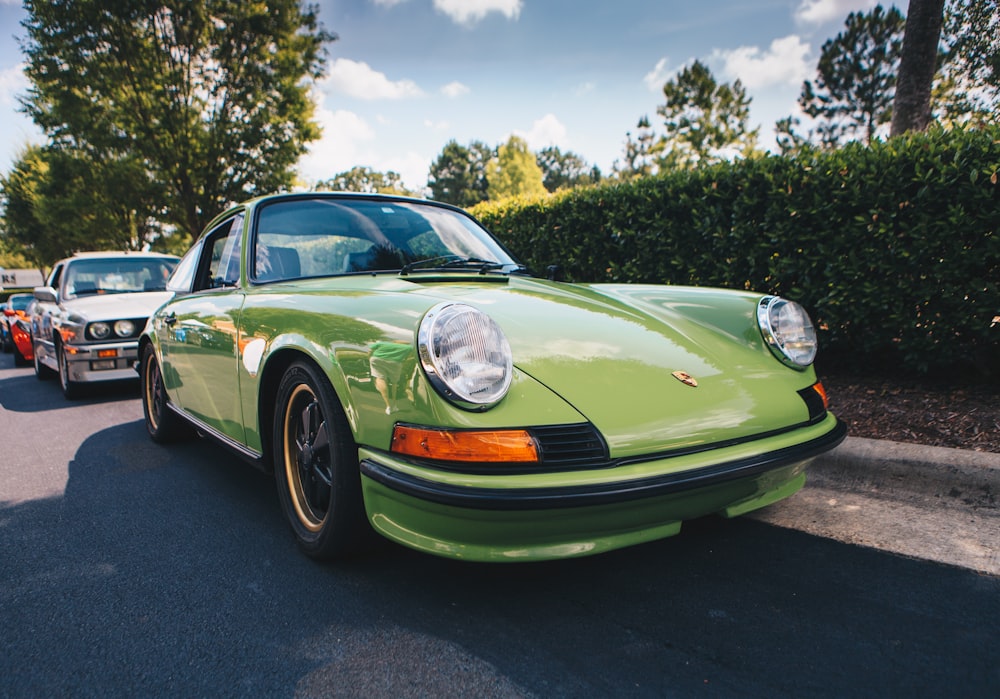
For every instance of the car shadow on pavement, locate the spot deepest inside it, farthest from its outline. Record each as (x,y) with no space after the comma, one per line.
(24,393)
(171,571)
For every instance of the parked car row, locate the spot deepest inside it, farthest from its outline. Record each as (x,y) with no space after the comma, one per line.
(86,321)
(400,373)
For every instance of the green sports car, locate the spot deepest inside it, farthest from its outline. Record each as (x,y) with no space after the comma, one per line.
(401,373)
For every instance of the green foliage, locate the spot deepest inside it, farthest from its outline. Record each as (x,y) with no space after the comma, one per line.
(514,172)
(705,121)
(458,176)
(364,179)
(210,96)
(893,247)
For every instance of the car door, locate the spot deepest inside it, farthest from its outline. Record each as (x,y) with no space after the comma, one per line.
(199,347)
(41,317)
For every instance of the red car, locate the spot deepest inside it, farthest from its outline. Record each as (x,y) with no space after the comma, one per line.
(15,328)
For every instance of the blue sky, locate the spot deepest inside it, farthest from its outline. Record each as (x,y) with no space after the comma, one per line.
(407,76)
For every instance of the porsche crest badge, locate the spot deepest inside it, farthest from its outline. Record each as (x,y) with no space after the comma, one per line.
(686,379)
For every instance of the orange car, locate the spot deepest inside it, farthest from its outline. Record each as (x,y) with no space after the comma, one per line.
(15,328)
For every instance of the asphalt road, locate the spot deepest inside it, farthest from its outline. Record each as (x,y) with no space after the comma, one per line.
(129,569)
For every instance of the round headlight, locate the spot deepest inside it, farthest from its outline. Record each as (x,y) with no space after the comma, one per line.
(99,331)
(465,355)
(787,330)
(124,328)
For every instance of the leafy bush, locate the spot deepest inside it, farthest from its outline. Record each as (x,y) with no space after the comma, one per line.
(893,247)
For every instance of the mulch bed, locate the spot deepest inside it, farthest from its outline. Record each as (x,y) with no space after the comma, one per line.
(935,411)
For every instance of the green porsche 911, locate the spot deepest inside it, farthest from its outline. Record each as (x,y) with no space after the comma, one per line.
(400,372)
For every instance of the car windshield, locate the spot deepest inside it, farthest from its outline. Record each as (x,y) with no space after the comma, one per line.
(116,275)
(327,236)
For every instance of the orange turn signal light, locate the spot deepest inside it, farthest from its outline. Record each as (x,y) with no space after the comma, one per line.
(818,387)
(107,353)
(478,446)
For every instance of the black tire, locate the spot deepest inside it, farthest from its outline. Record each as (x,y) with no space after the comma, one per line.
(162,423)
(6,341)
(42,372)
(71,389)
(316,466)
(19,359)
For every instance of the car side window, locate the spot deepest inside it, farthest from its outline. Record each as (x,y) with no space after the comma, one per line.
(55,277)
(182,280)
(220,265)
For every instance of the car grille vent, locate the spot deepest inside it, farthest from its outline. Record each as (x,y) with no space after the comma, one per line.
(571,445)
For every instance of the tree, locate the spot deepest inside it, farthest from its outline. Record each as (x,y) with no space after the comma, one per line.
(705,121)
(640,153)
(514,172)
(969,88)
(21,228)
(60,201)
(853,93)
(458,176)
(564,170)
(210,96)
(911,108)
(364,179)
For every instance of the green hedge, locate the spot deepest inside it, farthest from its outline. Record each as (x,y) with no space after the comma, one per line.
(893,248)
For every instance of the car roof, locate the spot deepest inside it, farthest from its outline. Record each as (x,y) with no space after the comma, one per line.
(117,255)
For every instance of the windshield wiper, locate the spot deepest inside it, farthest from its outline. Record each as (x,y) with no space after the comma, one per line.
(450,262)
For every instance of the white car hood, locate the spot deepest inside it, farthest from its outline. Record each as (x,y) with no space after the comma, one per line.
(114,306)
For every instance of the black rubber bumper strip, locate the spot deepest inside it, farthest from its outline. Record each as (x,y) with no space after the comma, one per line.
(602,493)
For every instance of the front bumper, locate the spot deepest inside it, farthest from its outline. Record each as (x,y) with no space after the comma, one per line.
(112,361)
(555,515)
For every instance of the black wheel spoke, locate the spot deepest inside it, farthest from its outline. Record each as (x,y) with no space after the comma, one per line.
(321,441)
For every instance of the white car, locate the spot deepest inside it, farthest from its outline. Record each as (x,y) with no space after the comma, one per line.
(90,313)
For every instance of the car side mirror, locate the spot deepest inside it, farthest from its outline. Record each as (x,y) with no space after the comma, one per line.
(45,294)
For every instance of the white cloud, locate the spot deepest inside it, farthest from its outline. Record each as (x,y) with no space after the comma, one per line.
(547,131)
(455,89)
(471,11)
(584,89)
(819,11)
(12,82)
(362,81)
(342,146)
(349,141)
(785,63)
(655,78)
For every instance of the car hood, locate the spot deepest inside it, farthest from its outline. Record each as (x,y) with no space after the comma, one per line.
(618,354)
(113,306)
(615,353)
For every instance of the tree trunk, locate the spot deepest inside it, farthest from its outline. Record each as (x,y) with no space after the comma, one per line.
(911,108)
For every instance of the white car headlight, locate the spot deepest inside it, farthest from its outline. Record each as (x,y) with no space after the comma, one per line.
(124,328)
(465,355)
(99,331)
(787,330)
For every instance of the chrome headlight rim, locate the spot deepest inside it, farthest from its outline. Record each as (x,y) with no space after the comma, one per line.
(796,349)
(449,378)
